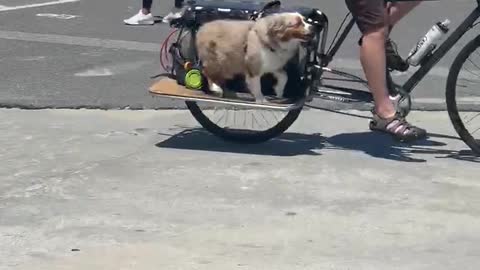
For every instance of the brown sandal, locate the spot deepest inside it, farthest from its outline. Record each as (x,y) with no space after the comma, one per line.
(398,127)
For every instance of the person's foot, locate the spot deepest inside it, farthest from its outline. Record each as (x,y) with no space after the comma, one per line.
(394,60)
(140,19)
(397,127)
(174,14)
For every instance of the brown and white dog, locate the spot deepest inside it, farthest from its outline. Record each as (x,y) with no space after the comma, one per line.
(228,48)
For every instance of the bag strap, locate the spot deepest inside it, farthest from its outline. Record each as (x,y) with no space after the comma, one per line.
(270,5)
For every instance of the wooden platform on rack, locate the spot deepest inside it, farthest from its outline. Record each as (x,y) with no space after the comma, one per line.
(169,88)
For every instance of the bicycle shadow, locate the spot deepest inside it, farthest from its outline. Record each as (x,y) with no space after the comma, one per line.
(383,146)
(294,144)
(288,144)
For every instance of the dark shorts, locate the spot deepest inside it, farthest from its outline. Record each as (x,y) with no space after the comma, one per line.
(368,14)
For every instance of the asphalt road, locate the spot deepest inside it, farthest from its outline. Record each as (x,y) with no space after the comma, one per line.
(91,59)
(151,190)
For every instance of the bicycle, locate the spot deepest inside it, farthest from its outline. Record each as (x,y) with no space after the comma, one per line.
(306,74)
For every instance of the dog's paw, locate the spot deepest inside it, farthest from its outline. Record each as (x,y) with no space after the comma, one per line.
(277,100)
(261,100)
(216,90)
(279,87)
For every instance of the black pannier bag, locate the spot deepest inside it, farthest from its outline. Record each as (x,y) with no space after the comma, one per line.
(203,11)
(195,15)
(200,12)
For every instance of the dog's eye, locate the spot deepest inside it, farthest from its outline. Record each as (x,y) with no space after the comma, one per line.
(296,23)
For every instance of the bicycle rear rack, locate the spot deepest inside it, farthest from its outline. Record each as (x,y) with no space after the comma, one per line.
(167,87)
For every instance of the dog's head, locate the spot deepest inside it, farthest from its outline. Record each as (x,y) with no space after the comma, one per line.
(289,26)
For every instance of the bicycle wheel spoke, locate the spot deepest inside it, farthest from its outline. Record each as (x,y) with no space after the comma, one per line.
(475,116)
(475,131)
(263,116)
(234,116)
(256,121)
(251,114)
(220,119)
(466,81)
(226,117)
(469,60)
(471,72)
(275,116)
(478,54)
(245,119)
(215,111)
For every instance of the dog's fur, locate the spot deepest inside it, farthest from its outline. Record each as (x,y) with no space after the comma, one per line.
(228,48)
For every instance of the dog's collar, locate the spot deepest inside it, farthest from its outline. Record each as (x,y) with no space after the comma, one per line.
(265,44)
(270,48)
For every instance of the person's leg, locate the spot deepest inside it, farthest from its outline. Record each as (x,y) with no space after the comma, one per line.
(374,66)
(371,16)
(146,6)
(396,11)
(372,19)
(179,3)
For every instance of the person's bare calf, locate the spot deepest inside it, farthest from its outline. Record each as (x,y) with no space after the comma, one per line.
(385,117)
(373,64)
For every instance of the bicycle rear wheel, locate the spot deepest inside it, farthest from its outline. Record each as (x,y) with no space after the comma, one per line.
(462,94)
(242,125)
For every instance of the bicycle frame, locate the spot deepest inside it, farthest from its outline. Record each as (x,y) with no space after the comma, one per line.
(315,61)
(428,62)
(444,48)
(315,66)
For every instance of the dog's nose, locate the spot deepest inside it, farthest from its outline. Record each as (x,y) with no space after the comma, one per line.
(308,28)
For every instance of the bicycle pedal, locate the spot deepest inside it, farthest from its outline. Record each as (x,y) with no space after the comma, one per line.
(400,67)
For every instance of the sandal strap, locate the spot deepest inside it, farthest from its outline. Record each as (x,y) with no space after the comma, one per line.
(400,126)
(397,126)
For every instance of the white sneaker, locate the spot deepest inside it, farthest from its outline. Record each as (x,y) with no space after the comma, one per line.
(140,19)
(174,14)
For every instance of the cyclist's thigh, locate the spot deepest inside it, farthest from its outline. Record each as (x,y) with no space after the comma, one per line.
(368,14)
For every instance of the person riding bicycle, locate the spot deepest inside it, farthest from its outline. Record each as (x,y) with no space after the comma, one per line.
(375,20)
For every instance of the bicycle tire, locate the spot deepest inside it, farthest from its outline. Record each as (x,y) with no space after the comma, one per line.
(451,91)
(243,136)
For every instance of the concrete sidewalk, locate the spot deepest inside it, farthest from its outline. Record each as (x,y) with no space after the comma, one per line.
(84,189)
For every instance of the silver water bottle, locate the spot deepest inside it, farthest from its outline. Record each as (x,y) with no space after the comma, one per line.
(428,43)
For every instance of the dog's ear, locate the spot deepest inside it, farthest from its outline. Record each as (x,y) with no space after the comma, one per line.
(276,27)
(293,28)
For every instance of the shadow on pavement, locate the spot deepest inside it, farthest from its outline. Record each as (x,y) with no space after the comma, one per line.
(463,155)
(292,144)
(288,144)
(383,146)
